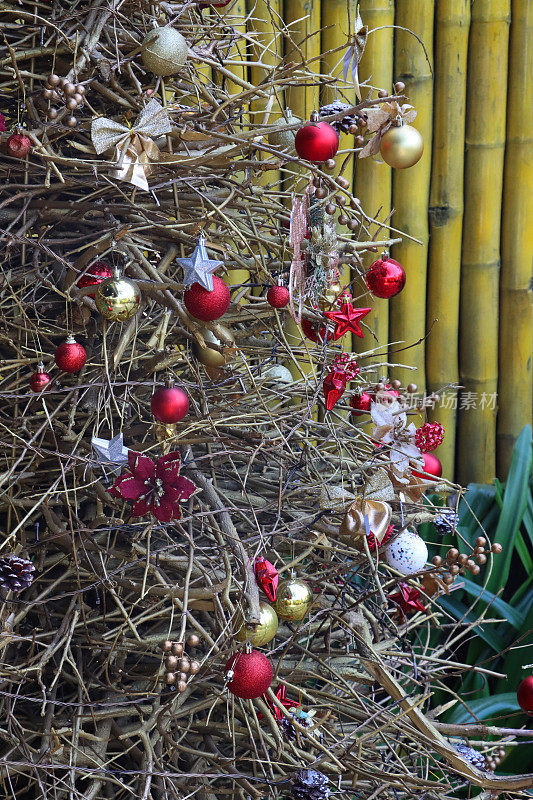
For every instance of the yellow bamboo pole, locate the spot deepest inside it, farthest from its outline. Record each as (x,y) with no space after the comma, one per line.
(337,16)
(373,178)
(446,211)
(485,144)
(407,316)
(302,19)
(516,309)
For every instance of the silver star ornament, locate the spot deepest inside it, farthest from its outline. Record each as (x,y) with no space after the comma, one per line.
(111,453)
(199,267)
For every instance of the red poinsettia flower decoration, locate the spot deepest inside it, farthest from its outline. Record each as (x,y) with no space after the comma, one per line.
(155,488)
(407,599)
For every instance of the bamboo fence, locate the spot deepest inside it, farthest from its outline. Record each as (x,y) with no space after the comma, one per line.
(461,321)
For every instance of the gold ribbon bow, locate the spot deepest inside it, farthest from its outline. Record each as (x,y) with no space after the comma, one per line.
(133,147)
(379,518)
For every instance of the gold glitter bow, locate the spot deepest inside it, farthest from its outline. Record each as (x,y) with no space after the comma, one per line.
(133,147)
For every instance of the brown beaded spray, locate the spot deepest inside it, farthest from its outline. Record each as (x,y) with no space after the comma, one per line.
(60,90)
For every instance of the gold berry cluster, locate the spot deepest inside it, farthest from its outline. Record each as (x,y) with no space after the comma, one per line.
(60,90)
(457,563)
(494,759)
(179,667)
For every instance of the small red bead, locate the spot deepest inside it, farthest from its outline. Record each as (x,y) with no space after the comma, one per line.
(278,296)
(429,436)
(206,305)
(70,356)
(18,145)
(169,404)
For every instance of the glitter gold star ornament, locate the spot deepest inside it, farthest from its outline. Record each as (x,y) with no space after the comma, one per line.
(199,267)
(346,319)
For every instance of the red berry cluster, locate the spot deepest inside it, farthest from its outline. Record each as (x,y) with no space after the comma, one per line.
(429,436)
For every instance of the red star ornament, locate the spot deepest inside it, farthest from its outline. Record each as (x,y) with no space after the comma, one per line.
(346,320)
(281,694)
(407,599)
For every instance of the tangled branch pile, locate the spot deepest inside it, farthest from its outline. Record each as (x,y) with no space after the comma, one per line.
(86,711)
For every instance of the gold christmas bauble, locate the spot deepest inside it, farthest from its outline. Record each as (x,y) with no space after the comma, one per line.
(330,295)
(265,631)
(293,599)
(210,356)
(117,298)
(164,51)
(401,146)
(284,139)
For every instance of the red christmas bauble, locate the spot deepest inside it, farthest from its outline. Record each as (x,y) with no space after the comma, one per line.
(252,674)
(525,695)
(70,356)
(432,465)
(96,273)
(385,277)
(207,305)
(316,142)
(18,145)
(169,404)
(360,403)
(278,296)
(39,380)
(315,332)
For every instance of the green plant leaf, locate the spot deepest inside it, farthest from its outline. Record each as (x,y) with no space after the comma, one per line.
(510,614)
(484,708)
(486,632)
(514,506)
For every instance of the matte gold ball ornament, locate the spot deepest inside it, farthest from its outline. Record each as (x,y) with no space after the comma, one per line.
(117,298)
(401,146)
(293,599)
(164,51)
(284,139)
(265,631)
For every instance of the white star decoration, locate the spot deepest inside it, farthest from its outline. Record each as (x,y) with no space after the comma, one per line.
(110,452)
(199,267)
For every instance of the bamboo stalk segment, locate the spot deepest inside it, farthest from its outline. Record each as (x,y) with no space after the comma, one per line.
(302,21)
(446,211)
(515,388)
(407,316)
(373,179)
(485,144)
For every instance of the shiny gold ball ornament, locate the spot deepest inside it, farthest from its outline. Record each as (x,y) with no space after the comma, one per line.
(164,51)
(265,631)
(117,298)
(293,599)
(210,356)
(401,146)
(284,139)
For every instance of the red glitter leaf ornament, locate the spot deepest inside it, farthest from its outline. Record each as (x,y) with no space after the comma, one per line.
(267,577)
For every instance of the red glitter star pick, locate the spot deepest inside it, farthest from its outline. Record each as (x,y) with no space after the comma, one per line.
(347,319)
(407,599)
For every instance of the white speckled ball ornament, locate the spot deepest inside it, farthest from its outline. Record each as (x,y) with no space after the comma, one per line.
(277,373)
(407,553)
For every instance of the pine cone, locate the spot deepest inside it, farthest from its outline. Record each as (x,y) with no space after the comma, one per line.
(446,521)
(340,125)
(15,573)
(309,784)
(471,755)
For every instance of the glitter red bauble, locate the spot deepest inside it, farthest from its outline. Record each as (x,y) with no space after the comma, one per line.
(315,332)
(95,274)
(39,381)
(18,145)
(316,142)
(429,436)
(169,404)
(360,403)
(206,305)
(70,356)
(385,277)
(525,695)
(278,296)
(252,674)
(432,465)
